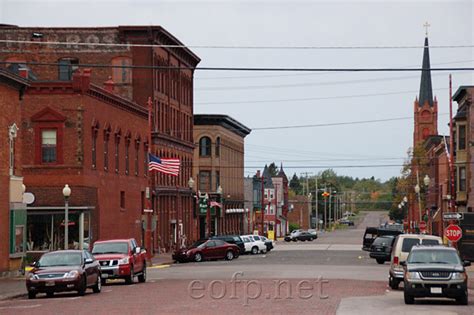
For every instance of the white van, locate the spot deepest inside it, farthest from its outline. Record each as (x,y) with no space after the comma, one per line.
(400,250)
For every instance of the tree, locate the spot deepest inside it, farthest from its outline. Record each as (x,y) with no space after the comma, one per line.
(295,184)
(273,169)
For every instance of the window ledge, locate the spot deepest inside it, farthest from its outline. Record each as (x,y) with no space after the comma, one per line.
(54,166)
(17,255)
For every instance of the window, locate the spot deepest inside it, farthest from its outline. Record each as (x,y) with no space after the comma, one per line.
(408,243)
(117,162)
(48,146)
(462,178)
(462,137)
(145,159)
(218,179)
(205,146)
(205,180)
(67,66)
(218,146)
(127,156)
(106,150)
(137,150)
(122,199)
(94,148)
(120,71)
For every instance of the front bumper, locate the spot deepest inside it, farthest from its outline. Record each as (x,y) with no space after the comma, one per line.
(449,289)
(397,274)
(115,272)
(53,285)
(181,257)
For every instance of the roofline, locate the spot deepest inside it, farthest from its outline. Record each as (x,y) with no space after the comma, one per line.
(14,79)
(461,91)
(224,121)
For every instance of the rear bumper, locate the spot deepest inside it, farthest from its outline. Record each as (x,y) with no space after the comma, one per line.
(448,289)
(380,255)
(397,274)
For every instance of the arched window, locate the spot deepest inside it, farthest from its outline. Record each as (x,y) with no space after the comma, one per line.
(205,146)
(218,146)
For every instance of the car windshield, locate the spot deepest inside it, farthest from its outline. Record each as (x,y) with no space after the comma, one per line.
(198,243)
(60,259)
(110,248)
(430,256)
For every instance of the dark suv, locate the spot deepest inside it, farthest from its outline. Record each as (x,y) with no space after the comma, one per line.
(232,239)
(435,271)
(381,248)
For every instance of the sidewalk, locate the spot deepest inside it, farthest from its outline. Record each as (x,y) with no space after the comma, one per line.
(162,259)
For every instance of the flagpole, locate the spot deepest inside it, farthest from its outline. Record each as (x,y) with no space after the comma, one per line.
(148,244)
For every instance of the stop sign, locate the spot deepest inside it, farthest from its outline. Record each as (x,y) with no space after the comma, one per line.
(422,225)
(453,233)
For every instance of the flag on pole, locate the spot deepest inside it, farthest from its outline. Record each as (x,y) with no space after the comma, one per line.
(167,166)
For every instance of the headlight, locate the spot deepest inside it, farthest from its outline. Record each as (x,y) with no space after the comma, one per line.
(33,276)
(412,275)
(72,274)
(123,261)
(458,276)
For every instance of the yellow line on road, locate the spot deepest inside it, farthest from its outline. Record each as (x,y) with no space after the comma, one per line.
(159,266)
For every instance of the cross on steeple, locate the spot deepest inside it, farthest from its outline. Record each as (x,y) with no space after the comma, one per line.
(426,25)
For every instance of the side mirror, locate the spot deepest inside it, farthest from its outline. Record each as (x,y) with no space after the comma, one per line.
(88,261)
(34,264)
(466,263)
(137,250)
(403,263)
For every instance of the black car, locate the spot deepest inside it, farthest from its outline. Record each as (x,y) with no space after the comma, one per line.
(381,248)
(268,243)
(371,233)
(306,236)
(435,271)
(232,239)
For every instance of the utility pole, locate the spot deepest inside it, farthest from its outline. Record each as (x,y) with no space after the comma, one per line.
(330,207)
(316,198)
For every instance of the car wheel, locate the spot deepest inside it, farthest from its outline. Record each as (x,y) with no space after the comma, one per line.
(254,250)
(31,294)
(98,285)
(463,299)
(82,288)
(380,261)
(311,239)
(129,279)
(393,283)
(142,276)
(408,298)
(198,257)
(50,294)
(229,255)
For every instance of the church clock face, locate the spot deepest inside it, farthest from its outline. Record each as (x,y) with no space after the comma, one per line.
(425,115)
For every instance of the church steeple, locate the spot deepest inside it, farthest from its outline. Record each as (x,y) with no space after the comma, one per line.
(426,90)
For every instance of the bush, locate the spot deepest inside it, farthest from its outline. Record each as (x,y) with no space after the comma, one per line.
(293,226)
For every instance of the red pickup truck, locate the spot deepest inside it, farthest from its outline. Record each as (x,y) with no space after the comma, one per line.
(120,259)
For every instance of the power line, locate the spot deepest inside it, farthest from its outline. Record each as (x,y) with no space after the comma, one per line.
(306,47)
(257,69)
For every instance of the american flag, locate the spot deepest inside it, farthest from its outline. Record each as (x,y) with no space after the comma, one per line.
(167,166)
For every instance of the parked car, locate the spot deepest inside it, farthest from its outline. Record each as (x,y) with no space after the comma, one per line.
(120,259)
(313,231)
(381,248)
(253,244)
(305,236)
(401,248)
(346,221)
(232,239)
(435,271)
(207,250)
(268,243)
(64,270)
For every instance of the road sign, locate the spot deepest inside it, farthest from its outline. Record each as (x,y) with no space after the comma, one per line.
(325,194)
(422,226)
(453,233)
(453,216)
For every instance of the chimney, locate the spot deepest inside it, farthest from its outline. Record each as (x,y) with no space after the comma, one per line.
(81,80)
(109,85)
(23,72)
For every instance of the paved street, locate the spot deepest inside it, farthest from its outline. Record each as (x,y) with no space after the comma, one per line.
(327,276)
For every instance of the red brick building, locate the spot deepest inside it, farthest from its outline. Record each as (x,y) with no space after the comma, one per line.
(89,129)
(300,212)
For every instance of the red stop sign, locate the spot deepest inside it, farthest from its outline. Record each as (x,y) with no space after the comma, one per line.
(422,225)
(453,233)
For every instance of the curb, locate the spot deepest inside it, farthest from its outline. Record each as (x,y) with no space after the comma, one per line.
(12,296)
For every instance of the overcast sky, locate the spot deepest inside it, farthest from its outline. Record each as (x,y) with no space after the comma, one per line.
(259,99)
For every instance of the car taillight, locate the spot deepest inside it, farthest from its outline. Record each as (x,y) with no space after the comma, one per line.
(395,260)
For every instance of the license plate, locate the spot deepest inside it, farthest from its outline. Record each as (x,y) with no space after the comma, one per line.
(436,290)
(49,283)
(104,276)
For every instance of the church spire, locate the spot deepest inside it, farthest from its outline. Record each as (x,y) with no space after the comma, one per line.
(426,90)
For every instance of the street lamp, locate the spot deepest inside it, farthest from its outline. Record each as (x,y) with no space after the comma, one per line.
(66,194)
(426,180)
(309,208)
(191,183)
